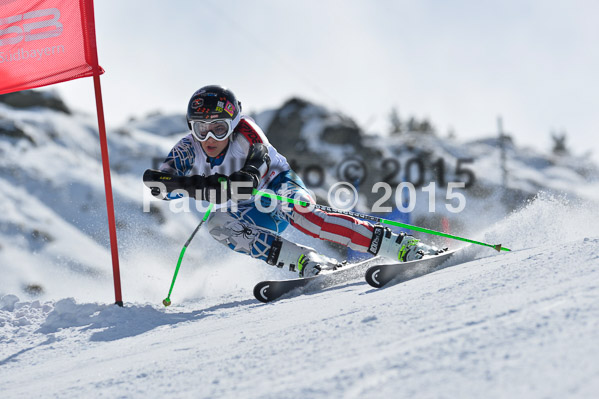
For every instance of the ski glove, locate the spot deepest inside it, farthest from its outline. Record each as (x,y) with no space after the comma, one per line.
(244,181)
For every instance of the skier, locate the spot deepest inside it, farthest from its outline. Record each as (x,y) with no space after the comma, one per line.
(225,156)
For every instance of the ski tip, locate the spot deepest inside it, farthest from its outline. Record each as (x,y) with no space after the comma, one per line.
(372,277)
(261,292)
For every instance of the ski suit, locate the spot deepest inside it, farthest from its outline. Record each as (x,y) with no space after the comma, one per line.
(248,229)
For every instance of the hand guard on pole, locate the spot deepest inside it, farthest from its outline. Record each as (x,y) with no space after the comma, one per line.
(214,188)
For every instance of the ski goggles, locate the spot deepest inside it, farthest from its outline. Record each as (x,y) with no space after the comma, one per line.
(218,129)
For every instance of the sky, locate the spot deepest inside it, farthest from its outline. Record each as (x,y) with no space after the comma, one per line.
(461,64)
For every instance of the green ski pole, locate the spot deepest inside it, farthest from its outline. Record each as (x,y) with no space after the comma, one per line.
(167,300)
(497,247)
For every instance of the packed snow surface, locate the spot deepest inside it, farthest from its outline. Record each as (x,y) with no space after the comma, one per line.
(516,324)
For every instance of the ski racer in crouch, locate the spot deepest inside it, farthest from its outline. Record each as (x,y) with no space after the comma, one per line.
(225,157)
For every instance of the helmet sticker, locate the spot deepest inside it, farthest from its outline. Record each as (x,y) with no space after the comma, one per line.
(229,108)
(197,103)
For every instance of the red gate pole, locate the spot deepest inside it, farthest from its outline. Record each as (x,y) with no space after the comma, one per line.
(93,52)
(108,190)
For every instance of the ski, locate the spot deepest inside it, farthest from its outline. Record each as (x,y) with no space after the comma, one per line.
(267,291)
(380,275)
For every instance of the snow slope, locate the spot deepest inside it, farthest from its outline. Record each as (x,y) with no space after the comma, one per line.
(520,324)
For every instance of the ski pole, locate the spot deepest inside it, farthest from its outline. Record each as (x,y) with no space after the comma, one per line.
(497,247)
(167,300)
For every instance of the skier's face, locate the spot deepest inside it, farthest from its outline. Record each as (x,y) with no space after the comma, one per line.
(214,147)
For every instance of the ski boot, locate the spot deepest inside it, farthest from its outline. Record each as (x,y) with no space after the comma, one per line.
(312,263)
(304,259)
(404,247)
